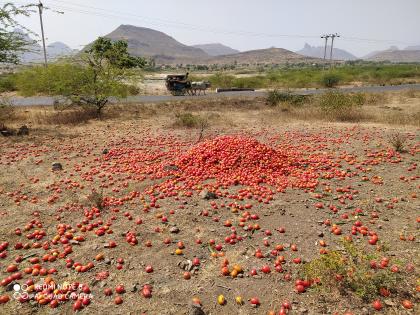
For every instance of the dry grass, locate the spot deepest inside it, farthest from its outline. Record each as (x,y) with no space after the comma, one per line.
(397,109)
(7,111)
(398,141)
(384,108)
(71,117)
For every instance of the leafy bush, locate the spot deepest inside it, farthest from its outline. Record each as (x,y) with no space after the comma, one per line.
(7,84)
(349,270)
(330,80)
(189,120)
(342,107)
(275,97)
(186,120)
(358,99)
(222,80)
(101,73)
(332,101)
(133,90)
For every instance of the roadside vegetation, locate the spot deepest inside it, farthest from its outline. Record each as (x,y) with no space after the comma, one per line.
(317,77)
(393,109)
(102,72)
(12,43)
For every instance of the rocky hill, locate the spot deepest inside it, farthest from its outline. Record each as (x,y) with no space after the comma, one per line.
(146,42)
(35,54)
(263,56)
(396,56)
(217,49)
(318,52)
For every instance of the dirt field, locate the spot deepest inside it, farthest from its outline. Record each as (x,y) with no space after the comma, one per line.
(281,193)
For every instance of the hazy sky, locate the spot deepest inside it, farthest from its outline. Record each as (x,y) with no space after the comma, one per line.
(365,25)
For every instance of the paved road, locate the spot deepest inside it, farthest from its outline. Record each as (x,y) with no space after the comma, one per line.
(29,101)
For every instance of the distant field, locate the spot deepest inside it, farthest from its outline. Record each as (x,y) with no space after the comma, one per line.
(288,77)
(314,77)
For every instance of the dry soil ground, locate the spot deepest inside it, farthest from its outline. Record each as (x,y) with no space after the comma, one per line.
(333,176)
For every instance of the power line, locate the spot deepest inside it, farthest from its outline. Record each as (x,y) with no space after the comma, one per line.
(213,30)
(168,22)
(333,36)
(40,9)
(326,36)
(112,14)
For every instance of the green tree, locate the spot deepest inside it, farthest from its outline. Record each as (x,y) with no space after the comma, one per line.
(103,72)
(12,44)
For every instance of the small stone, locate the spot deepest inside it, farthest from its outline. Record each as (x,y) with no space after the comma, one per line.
(56,166)
(105,151)
(205,194)
(174,230)
(134,287)
(6,132)
(170,168)
(196,309)
(389,302)
(320,234)
(10,286)
(23,131)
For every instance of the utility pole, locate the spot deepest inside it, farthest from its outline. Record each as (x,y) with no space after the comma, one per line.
(40,8)
(333,36)
(326,43)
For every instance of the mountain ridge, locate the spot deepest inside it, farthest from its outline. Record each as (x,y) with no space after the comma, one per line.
(318,52)
(146,42)
(216,49)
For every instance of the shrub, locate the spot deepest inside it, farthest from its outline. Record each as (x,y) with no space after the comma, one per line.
(189,120)
(358,99)
(7,110)
(67,117)
(221,80)
(398,141)
(101,74)
(336,100)
(349,270)
(275,97)
(7,84)
(330,80)
(186,120)
(342,107)
(133,90)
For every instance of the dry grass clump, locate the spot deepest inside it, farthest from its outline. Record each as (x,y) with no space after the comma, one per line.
(65,117)
(411,94)
(349,270)
(277,97)
(398,141)
(7,110)
(385,108)
(342,107)
(190,120)
(331,106)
